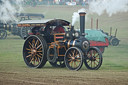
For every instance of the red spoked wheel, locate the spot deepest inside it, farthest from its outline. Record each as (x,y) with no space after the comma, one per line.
(93,59)
(34,51)
(73,58)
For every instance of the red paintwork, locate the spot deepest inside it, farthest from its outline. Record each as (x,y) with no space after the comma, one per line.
(30,33)
(34,34)
(59,37)
(96,43)
(59,29)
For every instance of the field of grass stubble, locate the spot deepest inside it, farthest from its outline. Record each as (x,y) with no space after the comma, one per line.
(114,70)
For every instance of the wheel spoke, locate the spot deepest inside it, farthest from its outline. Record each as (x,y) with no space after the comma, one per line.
(31,60)
(39,51)
(34,61)
(89,55)
(75,64)
(28,49)
(36,43)
(91,52)
(69,59)
(30,52)
(94,64)
(70,55)
(33,41)
(73,53)
(97,58)
(97,61)
(91,63)
(78,60)
(94,52)
(39,46)
(76,52)
(70,63)
(39,56)
(28,55)
(88,61)
(30,44)
(77,55)
(39,59)
(97,55)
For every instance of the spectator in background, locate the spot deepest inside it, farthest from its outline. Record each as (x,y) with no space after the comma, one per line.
(62,2)
(83,3)
(77,2)
(80,2)
(56,2)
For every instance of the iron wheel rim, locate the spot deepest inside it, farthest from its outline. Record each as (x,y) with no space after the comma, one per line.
(93,60)
(115,42)
(73,58)
(32,46)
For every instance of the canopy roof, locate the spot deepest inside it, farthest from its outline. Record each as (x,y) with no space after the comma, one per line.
(43,22)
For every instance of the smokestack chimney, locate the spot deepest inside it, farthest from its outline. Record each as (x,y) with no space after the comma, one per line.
(82,23)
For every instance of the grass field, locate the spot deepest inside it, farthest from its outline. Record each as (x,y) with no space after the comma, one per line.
(114,70)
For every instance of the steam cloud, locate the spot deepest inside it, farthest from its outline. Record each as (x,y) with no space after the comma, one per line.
(75,16)
(100,6)
(7,10)
(109,6)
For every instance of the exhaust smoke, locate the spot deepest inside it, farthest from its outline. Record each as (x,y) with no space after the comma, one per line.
(100,6)
(75,16)
(8,10)
(109,6)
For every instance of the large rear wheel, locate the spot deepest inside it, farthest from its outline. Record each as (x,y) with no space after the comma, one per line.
(34,51)
(93,59)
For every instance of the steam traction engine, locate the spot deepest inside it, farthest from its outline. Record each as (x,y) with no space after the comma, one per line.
(11,26)
(50,41)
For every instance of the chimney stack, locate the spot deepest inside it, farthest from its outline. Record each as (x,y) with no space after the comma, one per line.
(82,23)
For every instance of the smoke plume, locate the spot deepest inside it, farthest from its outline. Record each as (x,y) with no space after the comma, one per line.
(75,16)
(100,6)
(8,10)
(109,6)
